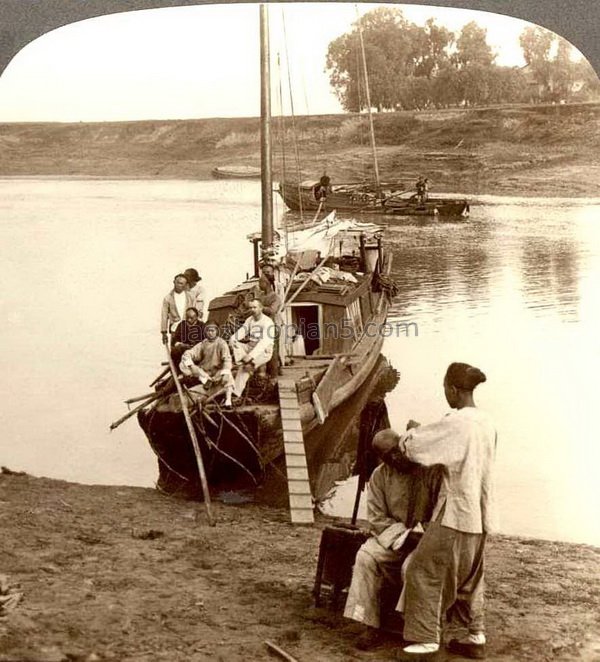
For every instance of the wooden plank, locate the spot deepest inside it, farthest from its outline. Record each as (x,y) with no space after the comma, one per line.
(293,435)
(291,426)
(286,384)
(289,415)
(295,460)
(303,516)
(303,501)
(298,473)
(298,487)
(293,448)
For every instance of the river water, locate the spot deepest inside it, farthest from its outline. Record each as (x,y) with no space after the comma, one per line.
(512,290)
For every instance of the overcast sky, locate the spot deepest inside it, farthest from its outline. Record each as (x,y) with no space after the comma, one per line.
(194,62)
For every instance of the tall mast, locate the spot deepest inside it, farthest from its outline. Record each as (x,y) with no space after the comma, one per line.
(265,132)
(371,129)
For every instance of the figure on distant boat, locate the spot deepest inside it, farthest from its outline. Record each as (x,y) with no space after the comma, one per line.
(174,306)
(323,188)
(422,187)
(252,345)
(196,290)
(189,332)
(210,363)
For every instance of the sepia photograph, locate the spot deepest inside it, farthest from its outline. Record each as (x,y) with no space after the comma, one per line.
(308,368)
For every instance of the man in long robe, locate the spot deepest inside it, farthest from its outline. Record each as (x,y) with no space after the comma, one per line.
(174,305)
(399,498)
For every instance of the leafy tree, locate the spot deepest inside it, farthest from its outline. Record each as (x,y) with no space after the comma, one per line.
(386,53)
(472,47)
(536,44)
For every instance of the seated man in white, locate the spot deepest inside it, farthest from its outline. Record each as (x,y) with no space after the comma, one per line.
(400,497)
(252,345)
(210,362)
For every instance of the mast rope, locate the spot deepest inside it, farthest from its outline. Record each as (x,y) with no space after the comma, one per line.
(295,136)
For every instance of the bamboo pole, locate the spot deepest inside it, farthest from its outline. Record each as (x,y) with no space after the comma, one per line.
(194,438)
(129,414)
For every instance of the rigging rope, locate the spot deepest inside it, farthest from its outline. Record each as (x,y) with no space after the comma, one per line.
(293,117)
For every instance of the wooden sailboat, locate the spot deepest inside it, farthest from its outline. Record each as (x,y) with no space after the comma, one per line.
(333,280)
(366,197)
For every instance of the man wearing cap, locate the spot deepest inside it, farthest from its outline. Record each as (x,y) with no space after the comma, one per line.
(174,306)
(196,290)
(210,362)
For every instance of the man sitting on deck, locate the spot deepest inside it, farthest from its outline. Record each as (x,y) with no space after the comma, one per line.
(189,332)
(252,345)
(210,362)
(400,496)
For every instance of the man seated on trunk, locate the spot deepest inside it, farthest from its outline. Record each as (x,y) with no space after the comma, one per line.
(252,345)
(401,496)
(210,363)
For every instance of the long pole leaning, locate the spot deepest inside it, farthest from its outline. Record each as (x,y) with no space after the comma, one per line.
(194,438)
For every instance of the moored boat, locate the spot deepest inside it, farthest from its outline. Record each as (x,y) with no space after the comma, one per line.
(333,285)
(412,206)
(236,172)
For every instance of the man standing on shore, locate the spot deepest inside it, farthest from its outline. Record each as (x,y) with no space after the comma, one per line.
(174,306)
(445,578)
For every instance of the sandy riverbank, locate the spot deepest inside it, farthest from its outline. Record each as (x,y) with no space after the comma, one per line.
(514,150)
(126,574)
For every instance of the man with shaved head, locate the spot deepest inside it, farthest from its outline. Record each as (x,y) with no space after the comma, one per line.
(401,495)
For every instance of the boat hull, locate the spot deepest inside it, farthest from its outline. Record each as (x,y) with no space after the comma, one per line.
(302,197)
(433,207)
(236,172)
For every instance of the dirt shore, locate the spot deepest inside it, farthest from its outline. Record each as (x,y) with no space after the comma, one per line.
(126,574)
(515,150)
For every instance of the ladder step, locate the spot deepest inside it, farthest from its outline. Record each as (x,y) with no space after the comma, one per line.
(293,447)
(292,425)
(302,516)
(298,473)
(286,384)
(289,415)
(293,460)
(293,435)
(301,501)
(299,487)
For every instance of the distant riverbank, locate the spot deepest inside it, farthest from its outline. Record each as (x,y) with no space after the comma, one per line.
(122,573)
(517,150)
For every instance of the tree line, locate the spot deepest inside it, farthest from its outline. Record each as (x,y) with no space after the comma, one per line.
(417,67)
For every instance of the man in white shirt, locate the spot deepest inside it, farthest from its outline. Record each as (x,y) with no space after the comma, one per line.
(174,306)
(445,577)
(252,345)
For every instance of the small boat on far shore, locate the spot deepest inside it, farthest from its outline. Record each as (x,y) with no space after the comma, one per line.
(236,172)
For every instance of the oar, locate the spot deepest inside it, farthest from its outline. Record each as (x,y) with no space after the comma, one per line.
(196,446)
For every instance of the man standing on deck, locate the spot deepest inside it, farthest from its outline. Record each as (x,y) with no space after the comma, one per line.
(252,345)
(196,289)
(174,306)
(210,362)
(400,496)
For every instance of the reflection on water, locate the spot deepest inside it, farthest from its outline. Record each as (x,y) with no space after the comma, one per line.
(512,290)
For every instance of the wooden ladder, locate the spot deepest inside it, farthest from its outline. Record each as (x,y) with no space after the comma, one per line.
(301,505)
